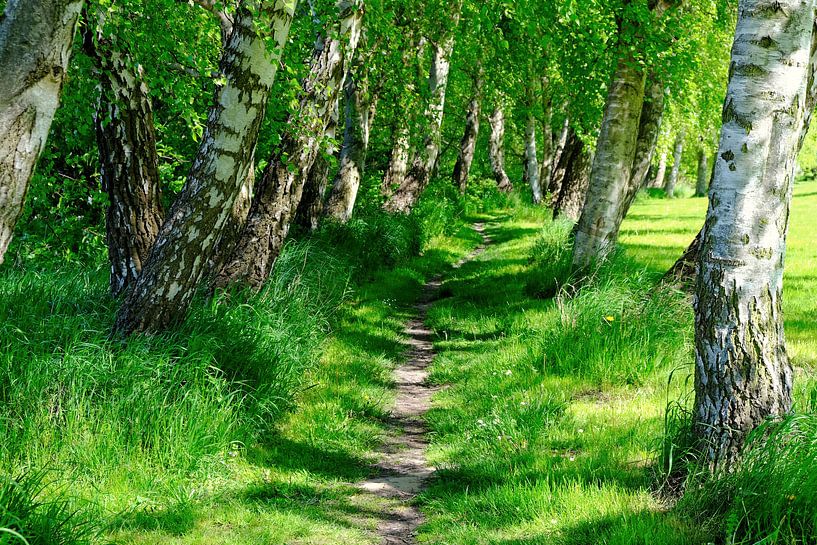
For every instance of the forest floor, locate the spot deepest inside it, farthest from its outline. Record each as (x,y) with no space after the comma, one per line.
(547,414)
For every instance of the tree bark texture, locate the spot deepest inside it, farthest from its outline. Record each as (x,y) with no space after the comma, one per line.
(188,238)
(702,183)
(359,110)
(556,176)
(468,145)
(575,163)
(597,230)
(425,163)
(546,165)
(531,160)
(129,165)
(652,113)
(497,150)
(310,208)
(35,46)
(743,374)
(677,157)
(281,186)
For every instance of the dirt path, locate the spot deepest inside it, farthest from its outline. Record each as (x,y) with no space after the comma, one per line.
(403,469)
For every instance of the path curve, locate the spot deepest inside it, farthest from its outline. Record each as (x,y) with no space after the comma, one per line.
(403,470)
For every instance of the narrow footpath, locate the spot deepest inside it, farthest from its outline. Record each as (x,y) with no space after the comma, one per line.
(403,469)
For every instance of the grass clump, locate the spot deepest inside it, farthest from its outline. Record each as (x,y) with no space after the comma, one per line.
(769,497)
(27,518)
(551,260)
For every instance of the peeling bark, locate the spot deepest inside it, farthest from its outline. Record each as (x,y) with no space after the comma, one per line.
(468,145)
(129,166)
(35,47)
(195,223)
(281,186)
(677,156)
(497,150)
(743,374)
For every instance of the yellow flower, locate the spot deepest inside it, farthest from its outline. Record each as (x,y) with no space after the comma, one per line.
(792,498)
(609,319)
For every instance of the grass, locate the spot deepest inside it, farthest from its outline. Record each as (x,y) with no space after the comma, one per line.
(558,412)
(249,424)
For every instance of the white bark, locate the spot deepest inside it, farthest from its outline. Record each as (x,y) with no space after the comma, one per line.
(531,162)
(677,156)
(195,223)
(662,171)
(35,47)
(497,149)
(743,374)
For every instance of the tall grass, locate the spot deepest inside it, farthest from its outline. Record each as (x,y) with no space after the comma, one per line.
(126,419)
(769,497)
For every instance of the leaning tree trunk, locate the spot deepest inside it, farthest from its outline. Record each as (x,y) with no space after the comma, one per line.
(468,145)
(743,374)
(497,150)
(359,110)
(597,230)
(281,186)
(194,225)
(662,171)
(703,174)
(406,195)
(677,156)
(129,165)
(575,164)
(531,161)
(35,46)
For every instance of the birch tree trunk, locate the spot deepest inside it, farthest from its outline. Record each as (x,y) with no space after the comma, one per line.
(402,148)
(575,162)
(188,238)
(546,165)
(406,195)
(703,174)
(281,186)
(743,374)
(557,153)
(662,171)
(652,114)
(677,156)
(497,150)
(35,47)
(597,230)
(468,145)
(129,166)
(358,112)
(310,208)
(531,160)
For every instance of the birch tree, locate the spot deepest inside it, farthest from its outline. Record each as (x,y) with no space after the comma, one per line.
(677,157)
(497,149)
(468,144)
(35,46)
(190,233)
(743,374)
(281,186)
(422,167)
(128,163)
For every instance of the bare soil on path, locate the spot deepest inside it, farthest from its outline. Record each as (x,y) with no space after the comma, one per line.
(403,469)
